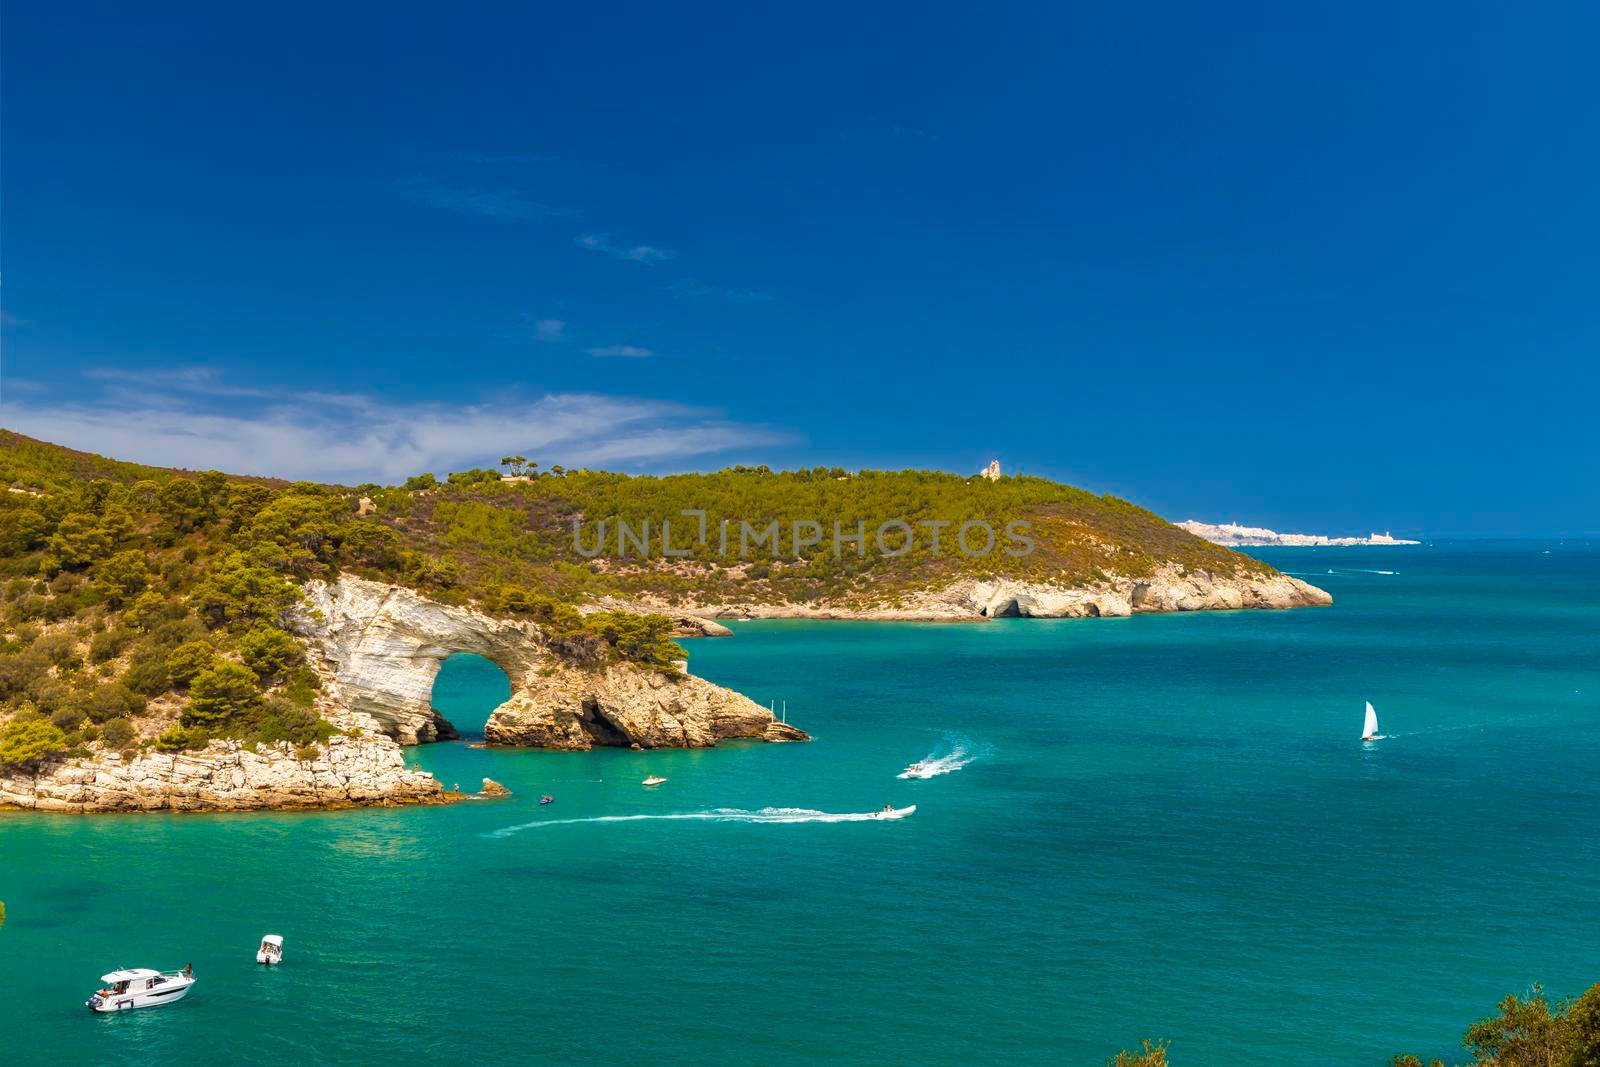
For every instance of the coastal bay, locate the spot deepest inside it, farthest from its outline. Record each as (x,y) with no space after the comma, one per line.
(1167,828)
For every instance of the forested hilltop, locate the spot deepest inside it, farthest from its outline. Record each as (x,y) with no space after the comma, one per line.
(144,606)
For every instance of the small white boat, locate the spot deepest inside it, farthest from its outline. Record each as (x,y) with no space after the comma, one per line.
(916,770)
(140,987)
(1369,728)
(894,813)
(653,780)
(271,950)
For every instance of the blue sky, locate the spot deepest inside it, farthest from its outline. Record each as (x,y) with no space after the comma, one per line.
(1322,269)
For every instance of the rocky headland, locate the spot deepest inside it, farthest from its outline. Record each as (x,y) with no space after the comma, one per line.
(1233,536)
(358,769)
(1167,589)
(382,646)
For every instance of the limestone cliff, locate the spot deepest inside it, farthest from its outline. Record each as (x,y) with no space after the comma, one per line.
(350,771)
(1169,588)
(381,645)
(575,709)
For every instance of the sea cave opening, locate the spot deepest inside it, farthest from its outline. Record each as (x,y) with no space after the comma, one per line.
(466,691)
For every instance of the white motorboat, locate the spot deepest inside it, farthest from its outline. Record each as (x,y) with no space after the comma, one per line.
(653,780)
(917,770)
(271,950)
(894,813)
(1369,727)
(140,987)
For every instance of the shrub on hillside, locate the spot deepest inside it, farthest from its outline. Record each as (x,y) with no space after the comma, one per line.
(114,700)
(28,743)
(188,660)
(282,721)
(147,670)
(118,734)
(269,652)
(222,695)
(182,739)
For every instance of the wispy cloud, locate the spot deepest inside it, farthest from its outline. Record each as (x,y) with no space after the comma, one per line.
(354,438)
(173,381)
(629,351)
(602,242)
(549,329)
(691,289)
(484,203)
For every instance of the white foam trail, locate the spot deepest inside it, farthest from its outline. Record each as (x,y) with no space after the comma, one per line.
(932,765)
(1361,570)
(762,815)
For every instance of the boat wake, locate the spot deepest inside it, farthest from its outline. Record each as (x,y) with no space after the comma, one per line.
(933,765)
(761,815)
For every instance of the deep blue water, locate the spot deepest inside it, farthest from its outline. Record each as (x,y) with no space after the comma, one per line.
(1169,829)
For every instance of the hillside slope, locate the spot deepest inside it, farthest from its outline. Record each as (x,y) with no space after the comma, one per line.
(149,608)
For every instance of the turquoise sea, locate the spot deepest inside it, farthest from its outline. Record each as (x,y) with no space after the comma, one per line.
(1168,828)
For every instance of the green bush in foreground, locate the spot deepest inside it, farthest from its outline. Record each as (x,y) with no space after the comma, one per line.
(1527,1032)
(29,743)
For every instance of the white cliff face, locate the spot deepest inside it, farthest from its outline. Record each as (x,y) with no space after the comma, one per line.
(1169,588)
(225,776)
(382,646)
(570,708)
(1227,533)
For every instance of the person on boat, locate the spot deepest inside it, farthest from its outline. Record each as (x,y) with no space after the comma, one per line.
(887,808)
(188,970)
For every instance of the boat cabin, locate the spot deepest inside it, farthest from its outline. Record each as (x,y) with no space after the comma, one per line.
(271,950)
(132,980)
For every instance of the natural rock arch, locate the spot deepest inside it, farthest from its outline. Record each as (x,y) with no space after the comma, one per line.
(466,691)
(383,645)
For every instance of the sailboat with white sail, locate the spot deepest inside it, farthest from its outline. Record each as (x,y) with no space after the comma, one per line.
(1369,728)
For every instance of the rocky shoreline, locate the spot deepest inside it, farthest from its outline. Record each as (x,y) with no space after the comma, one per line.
(348,772)
(1168,589)
(378,648)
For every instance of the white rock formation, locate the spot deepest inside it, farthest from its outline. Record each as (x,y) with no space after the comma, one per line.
(1227,533)
(225,776)
(382,645)
(1170,588)
(576,709)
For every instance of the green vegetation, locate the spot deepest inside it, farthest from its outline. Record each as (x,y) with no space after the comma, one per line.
(1150,1054)
(145,606)
(29,742)
(1528,1031)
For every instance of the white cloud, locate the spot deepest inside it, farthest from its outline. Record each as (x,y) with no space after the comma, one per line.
(355,439)
(549,329)
(602,242)
(630,351)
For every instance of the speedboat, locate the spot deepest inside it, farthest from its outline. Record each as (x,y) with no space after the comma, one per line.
(916,770)
(140,987)
(271,950)
(894,813)
(547,799)
(653,780)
